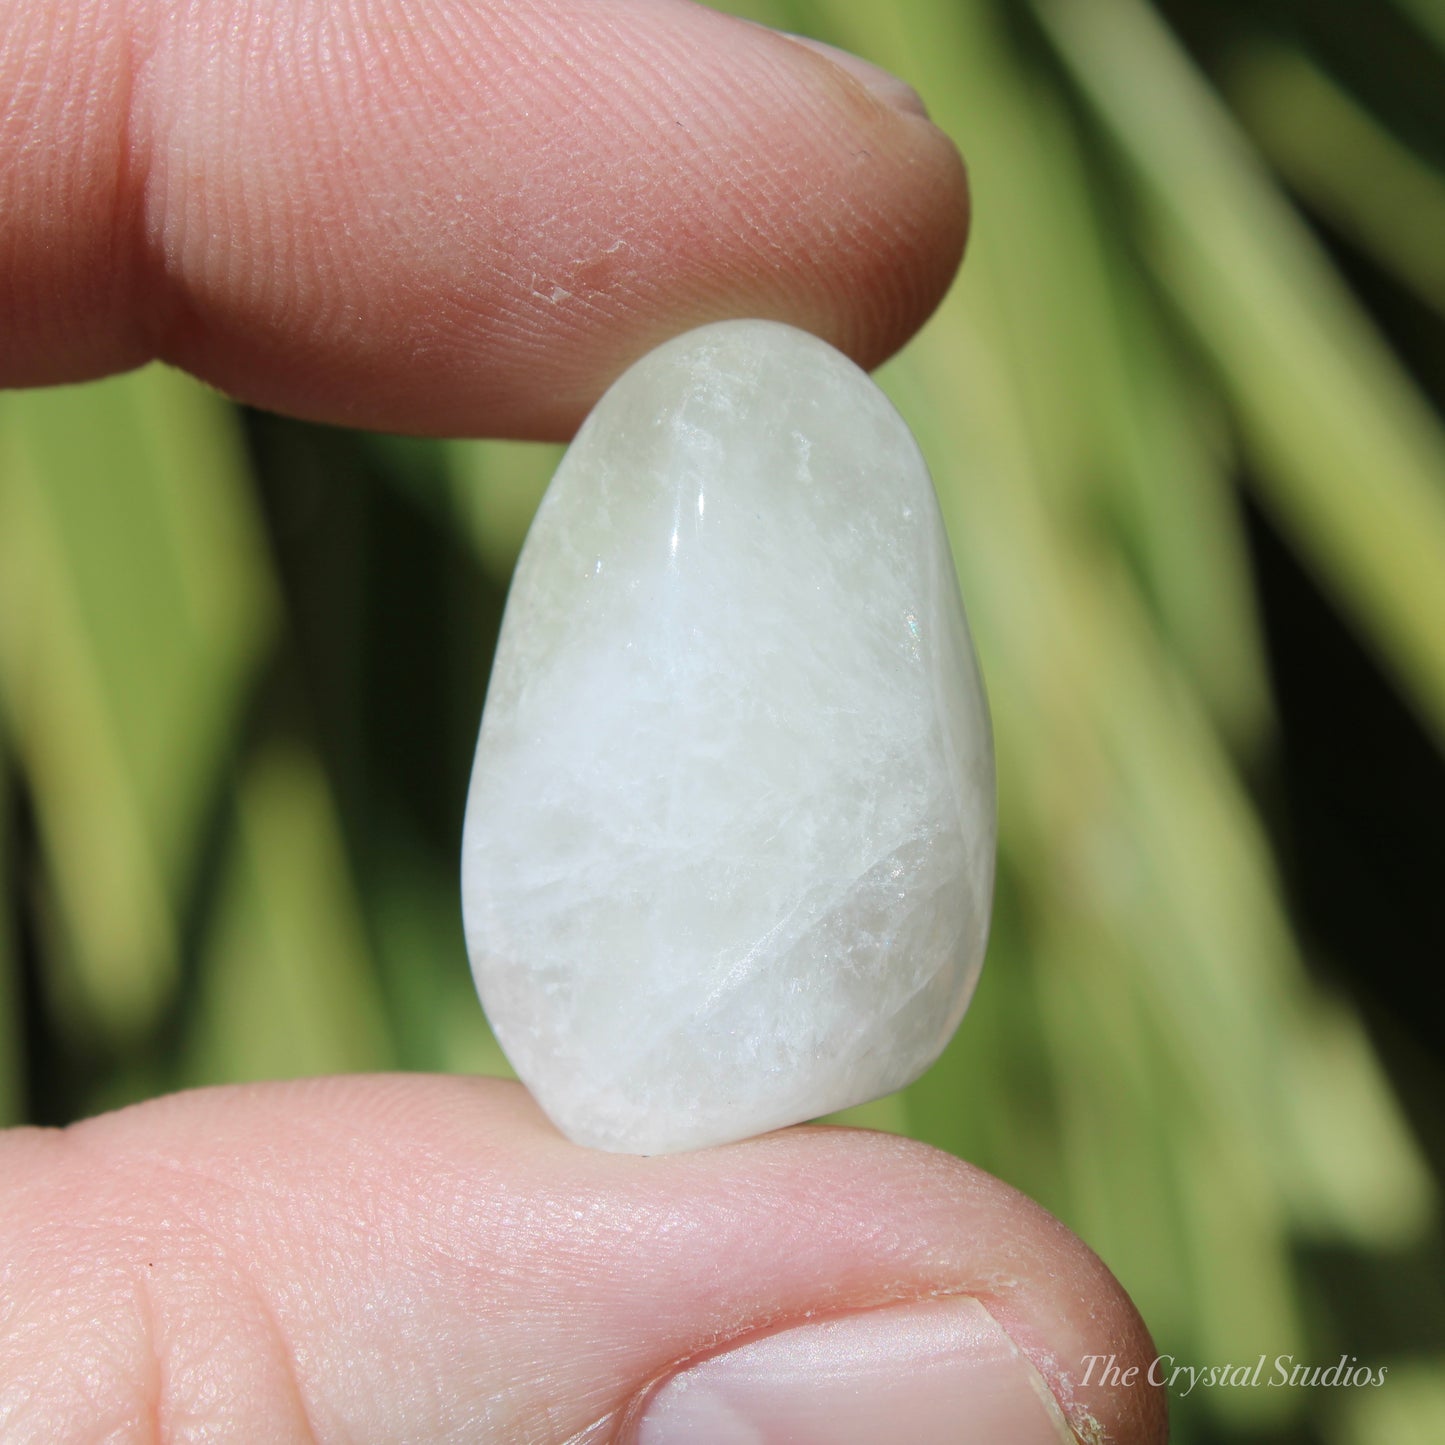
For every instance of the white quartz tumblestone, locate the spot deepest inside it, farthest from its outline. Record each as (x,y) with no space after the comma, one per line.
(729,844)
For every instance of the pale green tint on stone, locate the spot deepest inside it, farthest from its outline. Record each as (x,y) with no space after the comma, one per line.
(730,838)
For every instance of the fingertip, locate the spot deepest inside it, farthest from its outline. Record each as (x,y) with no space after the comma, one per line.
(458,220)
(842,1223)
(942,1230)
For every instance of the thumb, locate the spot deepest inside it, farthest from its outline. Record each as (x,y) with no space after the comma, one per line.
(412,1258)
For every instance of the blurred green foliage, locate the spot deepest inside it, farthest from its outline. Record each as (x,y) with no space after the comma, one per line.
(242,662)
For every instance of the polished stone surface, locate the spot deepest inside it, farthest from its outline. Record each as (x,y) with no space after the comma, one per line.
(729,844)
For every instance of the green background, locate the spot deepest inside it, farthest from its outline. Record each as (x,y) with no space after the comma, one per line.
(1182,409)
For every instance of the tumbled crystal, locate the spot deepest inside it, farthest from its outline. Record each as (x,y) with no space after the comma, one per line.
(729,843)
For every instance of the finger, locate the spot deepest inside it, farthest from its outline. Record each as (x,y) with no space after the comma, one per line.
(406,1258)
(461,217)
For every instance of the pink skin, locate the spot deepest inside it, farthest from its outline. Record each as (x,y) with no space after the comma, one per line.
(404,1258)
(464,217)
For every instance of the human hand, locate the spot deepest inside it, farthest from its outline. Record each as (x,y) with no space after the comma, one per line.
(468,221)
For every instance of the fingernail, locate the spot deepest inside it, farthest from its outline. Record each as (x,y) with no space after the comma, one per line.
(933,1373)
(886,86)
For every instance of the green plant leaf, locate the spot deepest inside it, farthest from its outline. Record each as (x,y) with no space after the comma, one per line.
(1345,164)
(134,602)
(1347,453)
(12,1041)
(287,986)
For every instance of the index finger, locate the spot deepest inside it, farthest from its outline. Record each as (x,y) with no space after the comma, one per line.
(461,218)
